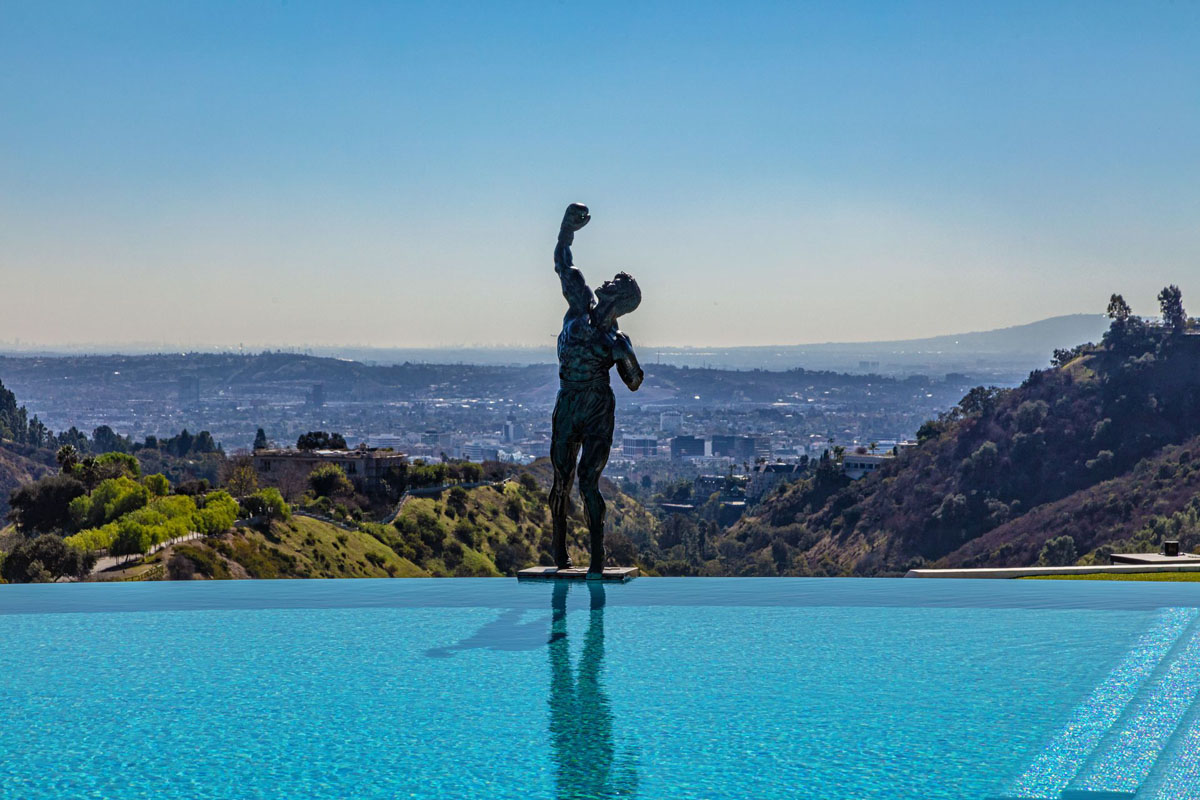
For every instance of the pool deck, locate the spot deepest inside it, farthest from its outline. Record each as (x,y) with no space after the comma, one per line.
(618,574)
(1026,572)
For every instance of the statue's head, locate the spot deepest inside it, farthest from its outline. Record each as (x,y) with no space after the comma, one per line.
(621,294)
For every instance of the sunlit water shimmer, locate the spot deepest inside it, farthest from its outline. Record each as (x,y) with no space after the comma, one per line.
(660,688)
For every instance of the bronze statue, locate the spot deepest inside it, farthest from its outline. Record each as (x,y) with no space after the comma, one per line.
(588,346)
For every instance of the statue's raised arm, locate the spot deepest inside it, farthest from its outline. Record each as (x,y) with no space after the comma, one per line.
(574,287)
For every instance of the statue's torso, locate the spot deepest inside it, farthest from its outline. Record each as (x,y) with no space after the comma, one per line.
(584,350)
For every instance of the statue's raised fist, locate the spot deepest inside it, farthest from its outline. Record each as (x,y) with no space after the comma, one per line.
(575,217)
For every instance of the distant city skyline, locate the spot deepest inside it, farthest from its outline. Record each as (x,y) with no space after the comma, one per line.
(392,175)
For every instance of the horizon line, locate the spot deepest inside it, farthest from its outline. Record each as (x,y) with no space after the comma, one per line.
(162,348)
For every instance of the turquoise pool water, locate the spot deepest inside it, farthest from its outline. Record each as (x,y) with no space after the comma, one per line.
(660,688)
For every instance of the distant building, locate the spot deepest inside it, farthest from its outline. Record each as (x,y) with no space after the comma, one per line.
(480,452)
(381,440)
(316,396)
(189,391)
(512,432)
(538,449)
(743,447)
(639,446)
(856,465)
(438,443)
(670,421)
(765,477)
(687,447)
(365,467)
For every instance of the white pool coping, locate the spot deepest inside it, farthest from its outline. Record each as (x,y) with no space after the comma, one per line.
(1025,572)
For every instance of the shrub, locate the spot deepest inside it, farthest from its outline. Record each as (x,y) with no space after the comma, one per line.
(207,563)
(466,533)
(453,554)
(1030,415)
(329,480)
(180,568)
(1058,552)
(44,559)
(267,503)
(158,484)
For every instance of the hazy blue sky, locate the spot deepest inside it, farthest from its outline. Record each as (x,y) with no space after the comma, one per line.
(394,173)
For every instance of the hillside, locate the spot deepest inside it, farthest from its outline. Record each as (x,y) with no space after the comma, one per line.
(1158,498)
(1002,473)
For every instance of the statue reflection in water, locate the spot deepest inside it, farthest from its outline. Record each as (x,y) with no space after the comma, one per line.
(581,719)
(588,766)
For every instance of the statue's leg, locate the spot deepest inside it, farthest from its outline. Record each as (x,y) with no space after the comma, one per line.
(591,464)
(562,457)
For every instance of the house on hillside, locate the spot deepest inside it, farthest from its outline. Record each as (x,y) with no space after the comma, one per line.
(856,465)
(765,477)
(364,466)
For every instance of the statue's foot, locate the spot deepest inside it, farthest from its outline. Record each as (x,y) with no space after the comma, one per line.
(562,561)
(595,572)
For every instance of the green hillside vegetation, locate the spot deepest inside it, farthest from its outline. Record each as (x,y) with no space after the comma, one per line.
(155,521)
(1077,450)
(1135,512)
(497,530)
(301,547)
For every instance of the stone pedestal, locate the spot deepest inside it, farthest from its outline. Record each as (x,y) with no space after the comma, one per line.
(618,574)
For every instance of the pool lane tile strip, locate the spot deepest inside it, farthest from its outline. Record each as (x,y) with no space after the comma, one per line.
(1177,774)
(1129,751)
(1052,770)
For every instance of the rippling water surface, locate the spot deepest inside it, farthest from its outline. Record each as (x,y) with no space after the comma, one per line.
(660,688)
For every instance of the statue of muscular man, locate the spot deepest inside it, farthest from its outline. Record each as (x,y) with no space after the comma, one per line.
(588,347)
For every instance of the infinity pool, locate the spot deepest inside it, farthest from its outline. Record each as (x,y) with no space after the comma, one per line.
(659,688)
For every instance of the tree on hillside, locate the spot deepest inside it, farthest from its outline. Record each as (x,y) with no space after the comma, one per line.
(260,440)
(1126,332)
(1170,301)
(106,440)
(267,503)
(45,559)
(67,457)
(44,506)
(111,500)
(13,420)
(204,443)
(329,481)
(76,438)
(158,484)
(1118,309)
(320,440)
(243,480)
(1058,552)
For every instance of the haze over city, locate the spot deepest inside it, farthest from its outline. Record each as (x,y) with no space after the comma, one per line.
(262,174)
